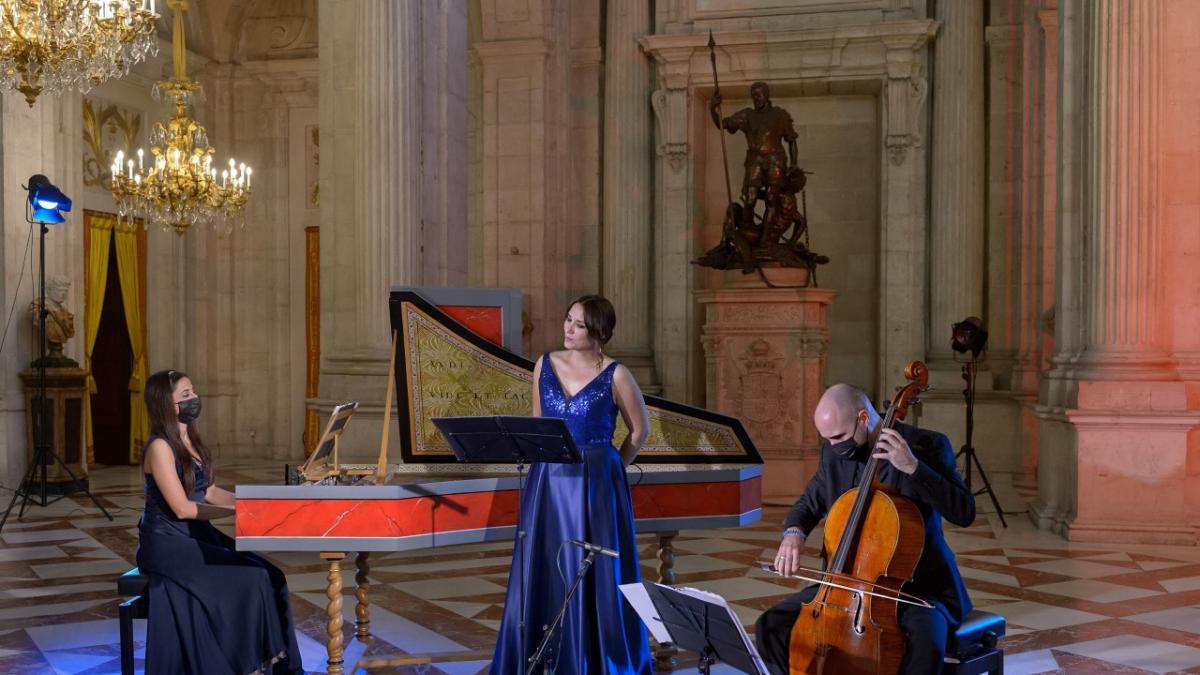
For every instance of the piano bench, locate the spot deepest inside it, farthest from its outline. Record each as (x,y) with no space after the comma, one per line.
(133,585)
(971,649)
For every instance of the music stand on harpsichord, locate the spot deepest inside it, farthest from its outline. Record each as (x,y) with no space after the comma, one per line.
(511,439)
(324,460)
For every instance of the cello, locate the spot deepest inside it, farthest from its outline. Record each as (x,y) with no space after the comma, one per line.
(873,539)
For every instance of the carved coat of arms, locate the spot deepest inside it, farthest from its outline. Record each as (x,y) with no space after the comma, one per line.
(762,393)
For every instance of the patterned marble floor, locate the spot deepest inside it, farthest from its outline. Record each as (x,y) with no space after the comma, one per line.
(1071,608)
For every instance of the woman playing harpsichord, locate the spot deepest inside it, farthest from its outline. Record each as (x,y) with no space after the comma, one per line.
(586,502)
(213,610)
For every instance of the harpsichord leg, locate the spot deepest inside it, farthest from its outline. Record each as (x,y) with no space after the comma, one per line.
(664,654)
(334,611)
(362,614)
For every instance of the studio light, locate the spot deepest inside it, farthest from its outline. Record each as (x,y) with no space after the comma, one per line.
(46,204)
(47,200)
(969,336)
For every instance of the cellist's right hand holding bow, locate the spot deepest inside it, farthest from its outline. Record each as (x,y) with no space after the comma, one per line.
(787,559)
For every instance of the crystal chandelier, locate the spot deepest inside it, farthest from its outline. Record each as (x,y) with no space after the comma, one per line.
(178,186)
(60,45)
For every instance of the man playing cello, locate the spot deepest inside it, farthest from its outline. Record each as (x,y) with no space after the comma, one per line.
(920,466)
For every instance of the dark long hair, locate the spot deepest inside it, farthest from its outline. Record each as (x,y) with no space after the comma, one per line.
(598,315)
(160,404)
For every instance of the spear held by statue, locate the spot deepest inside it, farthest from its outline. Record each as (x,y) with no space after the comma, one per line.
(712,57)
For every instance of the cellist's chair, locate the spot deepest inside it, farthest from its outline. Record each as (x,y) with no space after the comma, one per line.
(972,650)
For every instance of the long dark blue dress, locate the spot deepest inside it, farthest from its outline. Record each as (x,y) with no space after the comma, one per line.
(588,501)
(213,610)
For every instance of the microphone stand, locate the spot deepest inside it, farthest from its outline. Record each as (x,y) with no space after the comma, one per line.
(583,568)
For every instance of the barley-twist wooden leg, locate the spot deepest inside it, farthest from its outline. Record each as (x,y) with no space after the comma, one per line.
(334,611)
(664,654)
(666,558)
(362,614)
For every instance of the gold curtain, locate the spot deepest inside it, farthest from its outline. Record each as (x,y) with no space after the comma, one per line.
(312,332)
(99,233)
(127,269)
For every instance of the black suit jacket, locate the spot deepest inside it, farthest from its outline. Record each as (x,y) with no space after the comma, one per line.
(935,487)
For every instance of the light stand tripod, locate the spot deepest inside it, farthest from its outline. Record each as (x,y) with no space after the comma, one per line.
(968,374)
(45,211)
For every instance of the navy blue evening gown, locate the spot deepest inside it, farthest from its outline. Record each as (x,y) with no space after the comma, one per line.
(213,610)
(588,501)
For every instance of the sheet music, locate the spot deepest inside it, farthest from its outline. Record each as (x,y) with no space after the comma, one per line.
(638,597)
(640,600)
(713,598)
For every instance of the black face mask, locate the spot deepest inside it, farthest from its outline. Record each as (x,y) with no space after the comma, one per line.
(189,410)
(847,447)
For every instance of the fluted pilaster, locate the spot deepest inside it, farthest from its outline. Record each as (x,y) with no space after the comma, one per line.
(1039,199)
(1111,400)
(958,178)
(1122,245)
(387,194)
(385,187)
(626,264)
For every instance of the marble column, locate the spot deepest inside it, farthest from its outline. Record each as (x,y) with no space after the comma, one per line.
(1054,507)
(388,167)
(1037,266)
(1005,118)
(374,195)
(627,262)
(211,262)
(957,236)
(1122,253)
(1132,416)
(1038,200)
(957,193)
(443,142)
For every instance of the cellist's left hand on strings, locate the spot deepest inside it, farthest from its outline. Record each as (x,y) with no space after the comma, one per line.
(892,447)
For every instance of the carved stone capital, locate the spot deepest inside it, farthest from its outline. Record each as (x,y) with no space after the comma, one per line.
(904,103)
(670,111)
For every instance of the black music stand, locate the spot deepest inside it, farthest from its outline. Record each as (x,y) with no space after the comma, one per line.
(501,439)
(508,439)
(704,626)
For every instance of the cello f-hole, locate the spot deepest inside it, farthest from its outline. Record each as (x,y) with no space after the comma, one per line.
(859,626)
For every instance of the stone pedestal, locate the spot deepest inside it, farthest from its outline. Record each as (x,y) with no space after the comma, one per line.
(66,391)
(764,351)
(1132,474)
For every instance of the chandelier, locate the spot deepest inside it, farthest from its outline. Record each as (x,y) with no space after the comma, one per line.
(60,45)
(178,185)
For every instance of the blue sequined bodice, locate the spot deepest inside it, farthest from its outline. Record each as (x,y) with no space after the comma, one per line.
(591,414)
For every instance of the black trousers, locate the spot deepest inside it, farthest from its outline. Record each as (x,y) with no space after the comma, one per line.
(925,633)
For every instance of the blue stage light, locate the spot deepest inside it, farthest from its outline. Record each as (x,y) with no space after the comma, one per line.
(47,200)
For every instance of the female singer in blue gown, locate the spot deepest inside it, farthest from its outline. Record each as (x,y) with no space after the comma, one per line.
(213,610)
(600,633)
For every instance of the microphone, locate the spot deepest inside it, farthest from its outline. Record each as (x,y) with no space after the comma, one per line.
(594,548)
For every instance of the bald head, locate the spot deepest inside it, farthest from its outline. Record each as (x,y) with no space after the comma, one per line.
(838,412)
